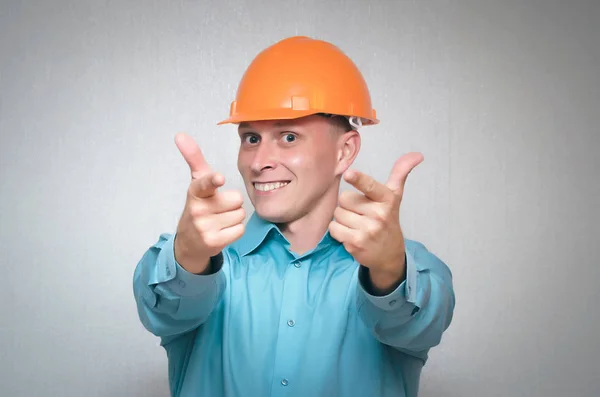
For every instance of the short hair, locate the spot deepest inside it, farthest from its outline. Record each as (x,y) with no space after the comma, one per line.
(340,123)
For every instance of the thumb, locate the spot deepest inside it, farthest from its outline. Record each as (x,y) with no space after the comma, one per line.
(192,155)
(403,166)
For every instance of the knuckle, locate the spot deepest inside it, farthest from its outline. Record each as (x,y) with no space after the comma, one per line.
(210,240)
(191,191)
(344,197)
(231,200)
(235,216)
(372,229)
(333,230)
(241,231)
(196,209)
(353,248)
(238,198)
(205,182)
(350,248)
(202,226)
(359,240)
(380,214)
(337,212)
(347,199)
(234,197)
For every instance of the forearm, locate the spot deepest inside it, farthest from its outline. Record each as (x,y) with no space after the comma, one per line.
(171,300)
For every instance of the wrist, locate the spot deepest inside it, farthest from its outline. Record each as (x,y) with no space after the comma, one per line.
(384,283)
(192,262)
(386,279)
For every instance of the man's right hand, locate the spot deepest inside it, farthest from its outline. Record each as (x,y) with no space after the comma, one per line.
(211,220)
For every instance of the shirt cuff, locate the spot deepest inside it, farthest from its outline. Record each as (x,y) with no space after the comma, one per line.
(405,292)
(179,280)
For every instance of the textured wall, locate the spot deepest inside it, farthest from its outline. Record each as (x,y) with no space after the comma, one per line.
(503,99)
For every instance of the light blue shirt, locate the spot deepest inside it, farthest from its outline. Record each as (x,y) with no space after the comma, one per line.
(273,323)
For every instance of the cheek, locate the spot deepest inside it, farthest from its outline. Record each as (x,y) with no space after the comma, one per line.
(315,165)
(298,160)
(306,162)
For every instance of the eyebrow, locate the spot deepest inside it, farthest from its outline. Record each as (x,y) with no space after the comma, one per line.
(282,123)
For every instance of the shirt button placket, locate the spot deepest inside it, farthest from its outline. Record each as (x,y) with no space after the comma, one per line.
(291,322)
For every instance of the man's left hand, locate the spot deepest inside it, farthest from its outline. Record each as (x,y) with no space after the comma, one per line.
(368,223)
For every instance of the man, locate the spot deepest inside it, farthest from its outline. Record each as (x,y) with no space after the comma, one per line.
(319,294)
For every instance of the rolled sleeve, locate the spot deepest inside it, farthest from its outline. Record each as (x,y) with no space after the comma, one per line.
(171,300)
(414,315)
(178,280)
(405,292)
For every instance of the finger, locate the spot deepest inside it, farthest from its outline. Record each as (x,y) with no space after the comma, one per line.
(403,166)
(341,233)
(217,222)
(192,154)
(369,186)
(219,203)
(230,218)
(349,219)
(359,203)
(228,235)
(206,185)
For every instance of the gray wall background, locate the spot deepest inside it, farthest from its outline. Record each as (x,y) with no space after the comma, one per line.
(503,99)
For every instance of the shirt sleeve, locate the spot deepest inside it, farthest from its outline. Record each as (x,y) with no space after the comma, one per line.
(170,300)
(413,317)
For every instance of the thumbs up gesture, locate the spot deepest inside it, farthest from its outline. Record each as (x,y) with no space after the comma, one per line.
(211,219)
(368,223)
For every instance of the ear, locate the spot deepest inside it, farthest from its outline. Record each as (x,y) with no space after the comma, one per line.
(347,150)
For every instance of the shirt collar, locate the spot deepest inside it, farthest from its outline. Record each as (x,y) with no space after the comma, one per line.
(257,230)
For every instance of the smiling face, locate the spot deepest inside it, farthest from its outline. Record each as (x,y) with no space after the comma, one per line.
(293,167)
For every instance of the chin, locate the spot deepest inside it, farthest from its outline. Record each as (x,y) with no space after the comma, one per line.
(273,215)
(270,210)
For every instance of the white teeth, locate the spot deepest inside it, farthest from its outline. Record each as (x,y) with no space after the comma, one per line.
(266,187)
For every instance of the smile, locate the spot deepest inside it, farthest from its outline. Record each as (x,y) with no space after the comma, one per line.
(267,187)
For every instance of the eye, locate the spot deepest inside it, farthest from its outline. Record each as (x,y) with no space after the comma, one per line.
(289,138)
(251,139)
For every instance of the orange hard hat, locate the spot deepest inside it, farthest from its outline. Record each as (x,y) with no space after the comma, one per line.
(300,76)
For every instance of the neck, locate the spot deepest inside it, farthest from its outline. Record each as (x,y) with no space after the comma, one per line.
(307,231)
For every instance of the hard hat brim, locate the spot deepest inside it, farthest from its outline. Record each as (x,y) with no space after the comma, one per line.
(273,114)
(283,114)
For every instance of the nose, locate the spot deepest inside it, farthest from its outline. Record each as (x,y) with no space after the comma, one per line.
(265,157)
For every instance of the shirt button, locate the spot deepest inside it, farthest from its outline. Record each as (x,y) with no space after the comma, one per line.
(392,302)
(291,323)
(298,264)
(284,382)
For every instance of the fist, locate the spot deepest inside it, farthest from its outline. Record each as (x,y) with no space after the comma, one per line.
(211,219)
